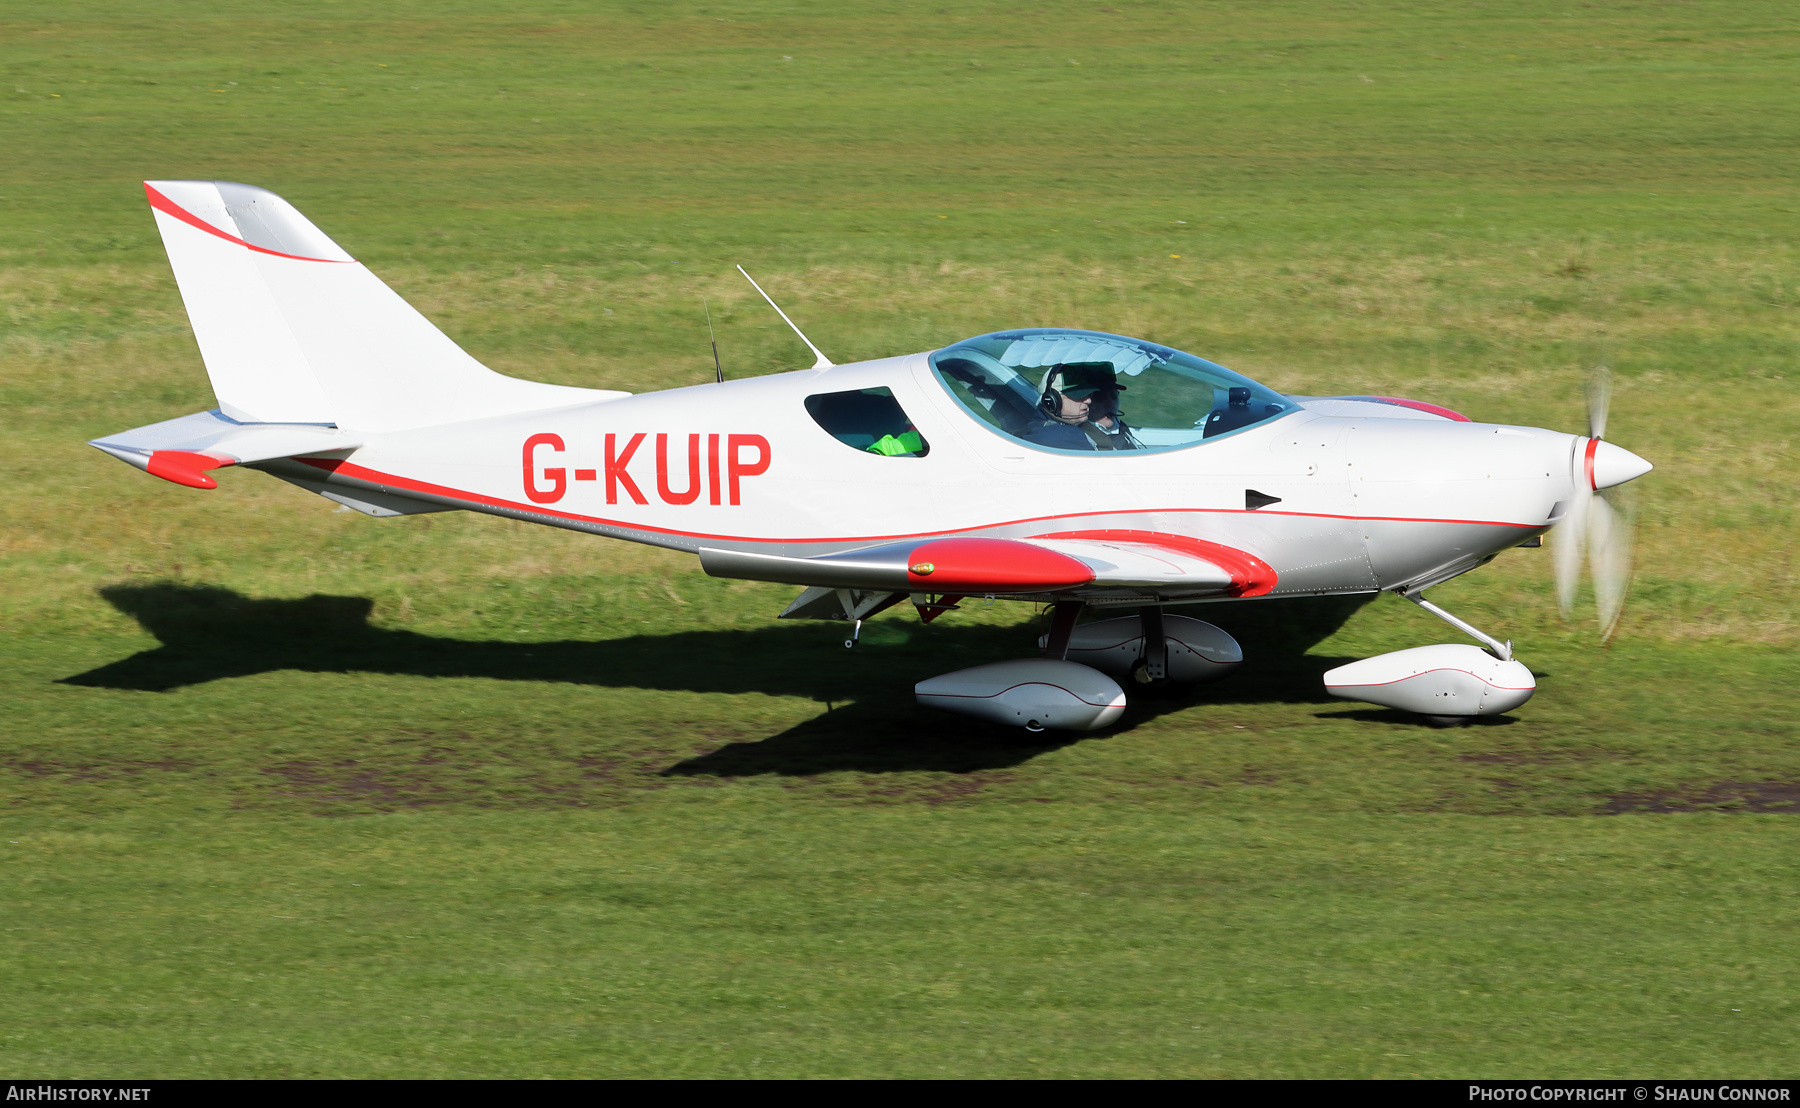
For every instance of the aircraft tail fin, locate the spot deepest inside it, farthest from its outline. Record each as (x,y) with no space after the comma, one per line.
(293,330)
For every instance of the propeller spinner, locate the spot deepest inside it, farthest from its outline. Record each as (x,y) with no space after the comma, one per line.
(1596,521)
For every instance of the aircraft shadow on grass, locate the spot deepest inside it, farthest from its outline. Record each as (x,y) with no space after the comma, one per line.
(871,723)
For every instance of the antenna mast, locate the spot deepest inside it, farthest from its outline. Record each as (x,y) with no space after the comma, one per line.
(718,367)
(823,362)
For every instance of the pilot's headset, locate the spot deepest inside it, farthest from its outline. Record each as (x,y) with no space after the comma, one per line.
(1052,400)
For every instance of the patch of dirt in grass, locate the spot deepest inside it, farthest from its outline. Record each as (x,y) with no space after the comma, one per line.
(88,771)
(356,786)
(349,785)
(1516,782)
(1725,796)
(611,769)
(1514,758)
(597,780)
(945,790)
(353,786)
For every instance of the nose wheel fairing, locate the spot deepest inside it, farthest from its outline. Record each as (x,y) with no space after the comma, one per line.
(1446,682)
(1447,679)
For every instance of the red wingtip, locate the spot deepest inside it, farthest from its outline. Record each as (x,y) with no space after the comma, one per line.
(184,467)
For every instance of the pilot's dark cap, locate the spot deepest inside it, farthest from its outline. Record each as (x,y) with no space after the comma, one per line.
(1080,380)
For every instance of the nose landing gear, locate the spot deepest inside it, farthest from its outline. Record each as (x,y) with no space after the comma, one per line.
(1448,684)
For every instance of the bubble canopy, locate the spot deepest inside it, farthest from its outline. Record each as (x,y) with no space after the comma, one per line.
(1074,391)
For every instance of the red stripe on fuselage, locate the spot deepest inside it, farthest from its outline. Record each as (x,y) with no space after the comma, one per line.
(376,477)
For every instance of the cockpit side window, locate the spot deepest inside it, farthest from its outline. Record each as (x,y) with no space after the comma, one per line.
(997,394)
(869,420)
(1075,391)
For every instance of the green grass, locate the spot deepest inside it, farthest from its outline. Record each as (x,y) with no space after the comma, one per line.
(288,791)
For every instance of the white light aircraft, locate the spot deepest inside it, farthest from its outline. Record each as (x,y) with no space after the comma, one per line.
(1081,470)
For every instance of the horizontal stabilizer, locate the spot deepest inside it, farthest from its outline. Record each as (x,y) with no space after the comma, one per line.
(180,450)
(380,503)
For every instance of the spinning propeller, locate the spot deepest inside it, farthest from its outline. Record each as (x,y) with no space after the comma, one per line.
(1598,521)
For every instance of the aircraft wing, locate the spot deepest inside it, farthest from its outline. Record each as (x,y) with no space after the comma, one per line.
(1072,562)
(181,450)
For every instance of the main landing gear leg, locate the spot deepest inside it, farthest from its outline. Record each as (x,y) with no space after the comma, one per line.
(1153,667)
(1062,626)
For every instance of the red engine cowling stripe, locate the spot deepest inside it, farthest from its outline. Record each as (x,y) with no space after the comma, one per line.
(1422,406)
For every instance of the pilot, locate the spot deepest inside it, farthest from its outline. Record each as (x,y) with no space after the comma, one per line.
(1067,413)
(1060,420)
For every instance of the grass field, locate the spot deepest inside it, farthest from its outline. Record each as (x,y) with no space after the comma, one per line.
(299,793)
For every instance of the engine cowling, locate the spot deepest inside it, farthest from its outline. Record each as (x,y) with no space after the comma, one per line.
(1444,680)
(1198,651)
(1034,693)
